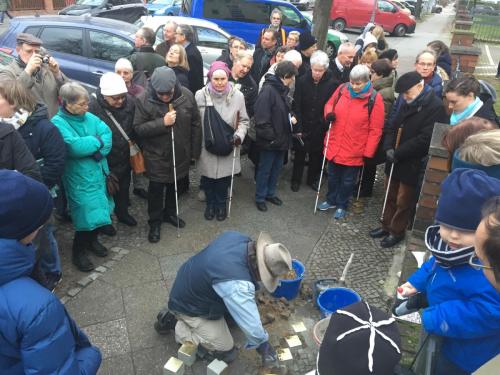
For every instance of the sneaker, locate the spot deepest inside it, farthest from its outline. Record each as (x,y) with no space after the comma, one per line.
(340,213)
(325,206)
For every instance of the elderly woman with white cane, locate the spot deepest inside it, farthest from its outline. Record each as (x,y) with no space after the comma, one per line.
(225,123)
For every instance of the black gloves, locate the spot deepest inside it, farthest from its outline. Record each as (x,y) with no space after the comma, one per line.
(389,155)
(330,117)
(268,354)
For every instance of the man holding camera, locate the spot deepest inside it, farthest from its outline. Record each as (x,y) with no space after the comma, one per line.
(36,71)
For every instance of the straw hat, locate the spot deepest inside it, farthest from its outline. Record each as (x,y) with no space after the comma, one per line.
(273,261)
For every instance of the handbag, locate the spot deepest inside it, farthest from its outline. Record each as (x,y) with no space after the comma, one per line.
(136,157)
(112,185)
(218,133)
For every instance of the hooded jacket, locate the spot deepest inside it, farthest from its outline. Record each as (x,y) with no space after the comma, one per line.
(385,87)
(145,59)
(14,154)
(37,336)
(46,144)
(464,309)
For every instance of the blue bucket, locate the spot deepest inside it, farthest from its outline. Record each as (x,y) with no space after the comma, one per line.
(334,298)
(290,288)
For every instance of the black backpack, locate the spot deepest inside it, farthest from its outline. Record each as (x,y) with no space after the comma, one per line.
(218,134)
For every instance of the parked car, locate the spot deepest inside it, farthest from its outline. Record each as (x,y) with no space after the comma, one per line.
(210,38)
(164,7)
(302,4)
(403,6)
(334,39)
(485,9)
(245,18)
(123,10)
(357,13)
(86,47)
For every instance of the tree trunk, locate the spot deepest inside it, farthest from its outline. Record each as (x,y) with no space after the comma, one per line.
(418,9)
(321,20)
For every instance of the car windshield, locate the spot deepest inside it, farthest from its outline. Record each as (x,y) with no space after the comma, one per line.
(161,2)
(93,3)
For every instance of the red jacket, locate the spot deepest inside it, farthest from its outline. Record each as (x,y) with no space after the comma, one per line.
(354,134)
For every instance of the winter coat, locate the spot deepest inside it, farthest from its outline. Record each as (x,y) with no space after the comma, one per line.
(156,138)
(305,66)
(310,99)
(487,111)
(46,144)
(195,62)
(341,76)
(436,83)
(134,89)
(119,156)
(464,309)
(225,57)
(261,62)
(43,85)
(444,61)
(15,155)
(385,87)
(163,48)
(249,89)
(4,5)
(182,76)
(37,336)
(145,59)
(355,134)
(210,165)
(417,120)
(84,177)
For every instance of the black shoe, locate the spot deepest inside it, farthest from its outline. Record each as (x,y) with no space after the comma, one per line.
(165,322)
(127,220)
(295,186)
(82,261)
(98,249)
(261,206)
(378,233)
(154,233)
(391,240)
(274,200)
(108,230)
(221,214)
(172,219)
(141,193)
(209,213)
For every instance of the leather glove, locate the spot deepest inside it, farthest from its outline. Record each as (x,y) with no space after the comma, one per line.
(389,155)
(236,141)
(330,117)
(267,353)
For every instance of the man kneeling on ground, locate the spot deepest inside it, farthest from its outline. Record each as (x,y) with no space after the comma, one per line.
(206,289)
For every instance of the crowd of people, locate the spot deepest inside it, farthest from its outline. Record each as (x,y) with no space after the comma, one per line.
(286,101)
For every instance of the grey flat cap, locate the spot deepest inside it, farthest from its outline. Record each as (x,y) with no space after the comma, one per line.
(25,38)
(163,79)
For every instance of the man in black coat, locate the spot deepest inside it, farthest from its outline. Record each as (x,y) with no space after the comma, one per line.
(262,55)
(273,126)
(235,45)
(415,123)
(342,64)
(169,30)
(145,59)
(307,45)
(184,36)
(312,91)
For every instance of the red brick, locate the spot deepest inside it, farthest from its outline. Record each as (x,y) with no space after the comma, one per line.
(431,189)
(436,176)
(424,213)
(429,201)
(439,163)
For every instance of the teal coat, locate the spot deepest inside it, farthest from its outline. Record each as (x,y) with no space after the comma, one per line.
(85,178)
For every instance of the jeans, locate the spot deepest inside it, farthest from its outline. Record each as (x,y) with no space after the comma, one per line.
(216,190)
(341,182)
(270,165)
(50,262)
(157,206)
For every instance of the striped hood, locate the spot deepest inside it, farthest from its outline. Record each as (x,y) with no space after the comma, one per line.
(446,256)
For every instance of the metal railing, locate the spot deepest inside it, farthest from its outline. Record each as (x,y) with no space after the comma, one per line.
(487,28)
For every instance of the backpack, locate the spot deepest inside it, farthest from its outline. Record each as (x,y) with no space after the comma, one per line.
(371,100)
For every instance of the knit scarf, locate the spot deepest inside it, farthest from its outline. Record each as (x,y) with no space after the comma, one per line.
(18,119)
(469,111)
(218,94)
(364,90)
(445,255)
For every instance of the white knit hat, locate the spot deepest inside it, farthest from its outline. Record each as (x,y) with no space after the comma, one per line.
(123,63)
(112,84)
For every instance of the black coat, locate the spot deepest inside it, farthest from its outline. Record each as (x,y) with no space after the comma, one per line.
(305,66)
(272,124)
(119,156)
(487,111)
(14,154)
(226,58)
(310,99)
(145,59)
(45,142)
(417,120)
(261,62)
(182,76)
(342,77)
(249,89)
(195,74)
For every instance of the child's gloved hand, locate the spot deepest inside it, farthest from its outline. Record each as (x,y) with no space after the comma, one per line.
(407,290)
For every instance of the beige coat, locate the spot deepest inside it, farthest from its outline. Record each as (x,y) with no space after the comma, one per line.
(210,165)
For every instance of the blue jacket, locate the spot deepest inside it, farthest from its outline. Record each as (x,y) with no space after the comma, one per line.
(37,336)
(464,309)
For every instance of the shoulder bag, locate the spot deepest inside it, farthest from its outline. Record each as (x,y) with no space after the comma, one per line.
(218,134)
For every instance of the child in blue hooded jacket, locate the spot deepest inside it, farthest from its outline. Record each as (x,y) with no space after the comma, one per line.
(464,309)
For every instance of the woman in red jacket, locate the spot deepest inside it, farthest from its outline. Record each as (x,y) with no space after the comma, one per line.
(357,115)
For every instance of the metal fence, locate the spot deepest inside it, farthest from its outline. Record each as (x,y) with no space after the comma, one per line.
(38,4)
(487,28)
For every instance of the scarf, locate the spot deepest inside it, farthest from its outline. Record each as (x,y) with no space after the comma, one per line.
(18,119)
(446,256)
(363,90)
(218,94)
(469,111)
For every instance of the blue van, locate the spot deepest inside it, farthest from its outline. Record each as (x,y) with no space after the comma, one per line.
(245,18)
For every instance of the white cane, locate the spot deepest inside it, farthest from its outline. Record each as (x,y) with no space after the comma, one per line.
(232,171)
(360,182)
(398,138)
(322,166)
(171,108)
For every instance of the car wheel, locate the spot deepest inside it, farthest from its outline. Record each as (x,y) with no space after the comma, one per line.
(331,51)
(399,30)
(338,24)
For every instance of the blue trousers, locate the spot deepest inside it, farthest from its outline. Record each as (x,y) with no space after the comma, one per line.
(270,165)
(341,182)
(50,262)
(216,190)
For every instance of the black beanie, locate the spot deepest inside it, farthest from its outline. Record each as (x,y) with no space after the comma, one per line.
(389,54)
(345,349)
(407,81)
(306,40)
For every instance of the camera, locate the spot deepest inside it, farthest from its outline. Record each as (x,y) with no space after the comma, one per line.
(45,59)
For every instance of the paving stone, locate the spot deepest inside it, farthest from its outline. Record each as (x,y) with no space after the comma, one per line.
(117,365)
(109,264)
(124,252)
(101,269)
(73,292)
(94,275)
(84,281)
(117,257)
(110,337)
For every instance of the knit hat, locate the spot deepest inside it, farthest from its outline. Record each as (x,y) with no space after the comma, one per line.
(407,81)
(112,84)
(218,65)
(163,79)
(123,63)
(25,205)
(463,194)
(369,39)
(360,339)
(306,40)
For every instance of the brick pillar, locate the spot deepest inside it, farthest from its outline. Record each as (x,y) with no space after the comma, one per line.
(48,4)
(462,37)
(463,25)
(467,56)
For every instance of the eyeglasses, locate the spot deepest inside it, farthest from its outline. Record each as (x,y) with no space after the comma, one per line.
(424,65)
(475,263)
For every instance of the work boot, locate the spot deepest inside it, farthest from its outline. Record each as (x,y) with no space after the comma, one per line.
(96,247)
(165,321)
(221,213)
(79,254)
